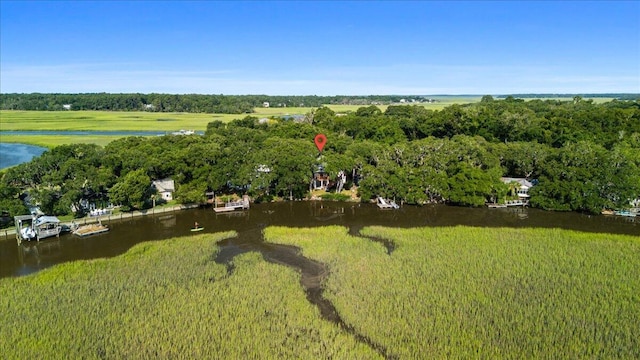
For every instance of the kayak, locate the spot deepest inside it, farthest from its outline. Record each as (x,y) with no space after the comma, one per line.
(198,229)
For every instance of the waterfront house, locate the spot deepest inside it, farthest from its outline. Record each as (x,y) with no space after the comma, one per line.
(165,188)
(320,179)
(523,186)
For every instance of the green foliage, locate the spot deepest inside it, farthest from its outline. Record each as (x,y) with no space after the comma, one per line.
(583,153)
(335,197)
(482,293)
(586,177)
(133,192)
(10,203)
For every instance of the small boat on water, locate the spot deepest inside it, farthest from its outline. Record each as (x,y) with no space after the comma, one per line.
(91,229)
(627,213)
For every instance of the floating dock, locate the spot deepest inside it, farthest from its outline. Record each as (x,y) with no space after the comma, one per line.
(91,229)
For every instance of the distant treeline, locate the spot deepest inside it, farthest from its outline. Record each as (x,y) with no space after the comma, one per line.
(619,96)
(585,155)
(193,103)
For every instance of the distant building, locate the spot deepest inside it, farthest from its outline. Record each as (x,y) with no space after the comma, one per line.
(66,106)
(320,179)
(165,188)
(265,104)
(183,132)
(524,185)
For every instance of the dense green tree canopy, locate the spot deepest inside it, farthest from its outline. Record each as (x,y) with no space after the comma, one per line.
(586,157)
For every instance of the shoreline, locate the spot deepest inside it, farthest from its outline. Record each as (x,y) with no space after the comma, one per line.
(5,233)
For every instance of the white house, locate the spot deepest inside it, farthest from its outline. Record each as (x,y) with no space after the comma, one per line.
(66,106)
(523,190)
(265,104)
(165,188)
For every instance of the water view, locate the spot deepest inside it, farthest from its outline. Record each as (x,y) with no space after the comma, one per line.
(30,257)
(12,154)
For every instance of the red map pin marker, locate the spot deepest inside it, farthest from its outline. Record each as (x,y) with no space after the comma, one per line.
(320,140)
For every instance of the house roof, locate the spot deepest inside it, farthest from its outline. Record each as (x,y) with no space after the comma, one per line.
(46,219)
(521,181)
(164,185)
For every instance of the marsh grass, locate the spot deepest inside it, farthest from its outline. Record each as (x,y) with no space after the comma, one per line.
(11,120)
(167,300)
(51,141)
(468,292)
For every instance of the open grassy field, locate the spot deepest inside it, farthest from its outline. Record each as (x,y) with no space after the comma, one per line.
(140,121)
(152,121)
(145,121)
(483,293)
(106,120)
(51,141)
(458,292)
(167,300)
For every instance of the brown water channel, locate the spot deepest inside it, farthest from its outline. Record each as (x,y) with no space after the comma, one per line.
(30,257)
(18,260)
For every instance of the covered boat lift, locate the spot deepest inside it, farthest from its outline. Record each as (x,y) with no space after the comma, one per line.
(37,227)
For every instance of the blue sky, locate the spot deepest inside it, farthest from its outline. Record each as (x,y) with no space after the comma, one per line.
(320,48)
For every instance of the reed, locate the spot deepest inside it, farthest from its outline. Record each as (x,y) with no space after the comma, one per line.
(167,299)
(468,292)
(461,292)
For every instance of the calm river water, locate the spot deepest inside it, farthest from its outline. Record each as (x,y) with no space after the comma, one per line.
(17,260)
(14,154)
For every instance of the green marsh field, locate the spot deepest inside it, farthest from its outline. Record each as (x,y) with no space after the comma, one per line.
(11,120)
(453,292)
(139,121)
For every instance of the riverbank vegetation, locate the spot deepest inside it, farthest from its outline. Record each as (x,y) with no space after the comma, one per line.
(585,155)
(465,292)
(167,299)
(454,292)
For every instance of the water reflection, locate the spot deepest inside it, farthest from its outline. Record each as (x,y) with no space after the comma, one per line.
(38,255)
(127,232)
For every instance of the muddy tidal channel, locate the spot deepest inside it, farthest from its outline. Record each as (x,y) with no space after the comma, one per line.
(18,260)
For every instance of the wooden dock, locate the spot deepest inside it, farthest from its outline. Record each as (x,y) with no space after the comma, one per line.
(91,229)
(233,205)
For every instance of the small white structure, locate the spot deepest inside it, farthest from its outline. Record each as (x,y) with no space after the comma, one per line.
(386,204)
(165,188)
(183,132)
(263,169)
(265,104)
(523,190)
(66,106)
